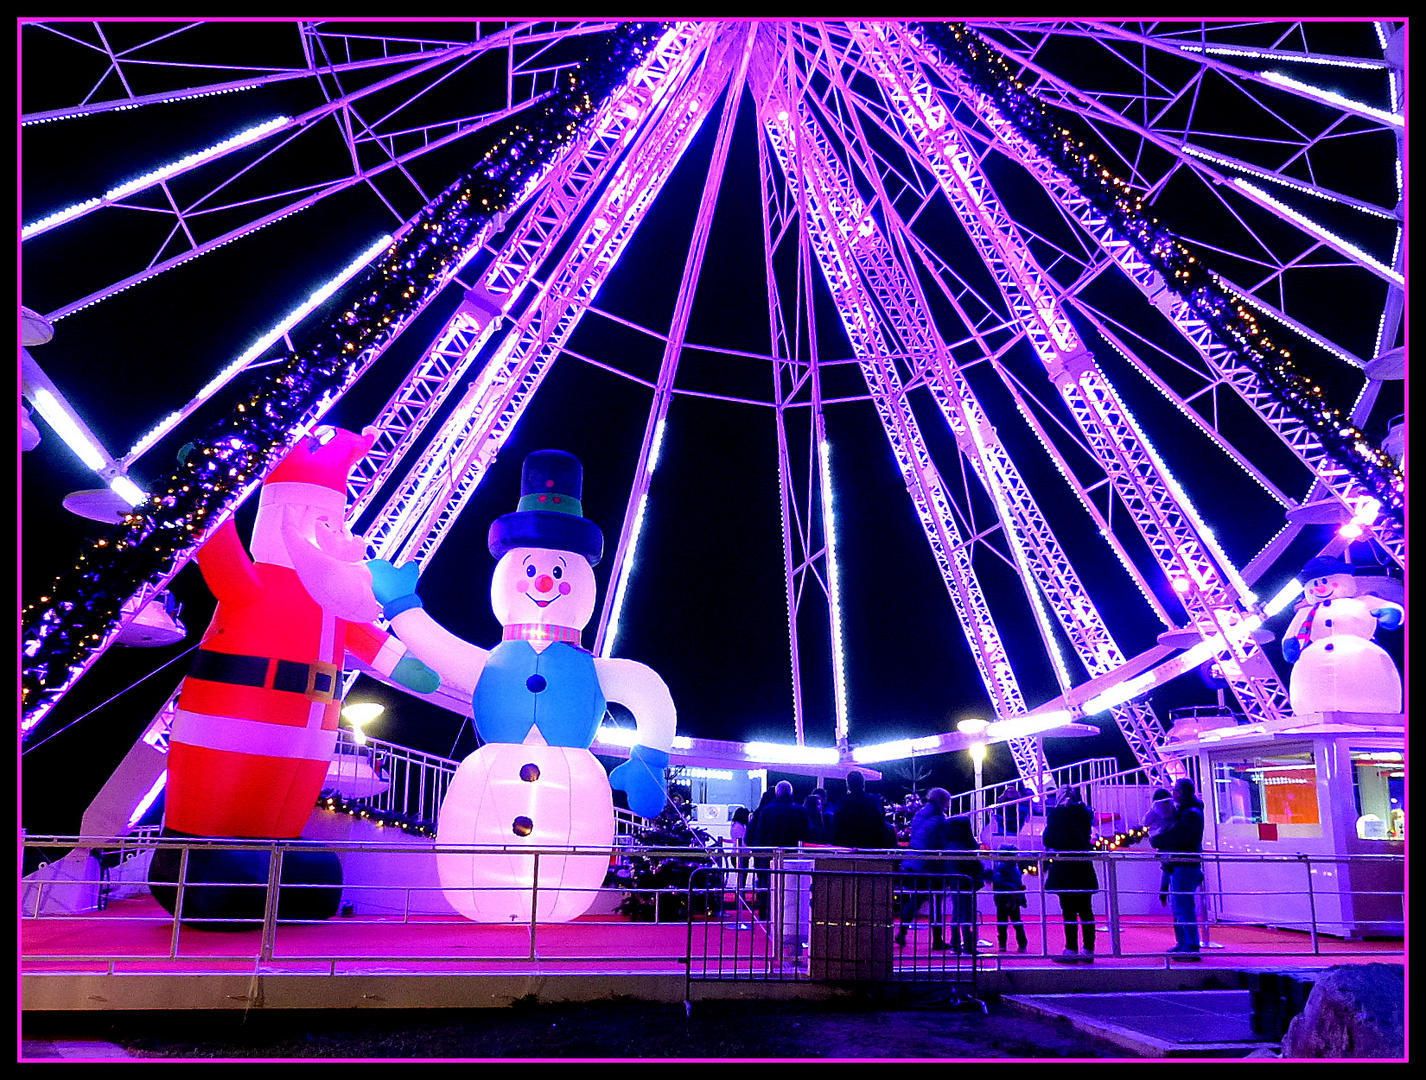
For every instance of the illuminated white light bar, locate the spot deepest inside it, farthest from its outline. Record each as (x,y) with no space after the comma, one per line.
(1286,595)
(839,672)
(1125,691)
(1278,57)
(613,635)
(148,179)
(1203,651)
(898,749)
(1284,181)
(803,755)
(618,736)
(638,530)
(1326,236)
(887,751)
(68,427)
(656,448)
(163,172)
(1020,727)
(699,772)
(148,799)
(127,490)
(293,317)
(59,217)
(1337,100)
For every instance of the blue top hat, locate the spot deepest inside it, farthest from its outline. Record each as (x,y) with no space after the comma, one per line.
(1324,566)
(549,514)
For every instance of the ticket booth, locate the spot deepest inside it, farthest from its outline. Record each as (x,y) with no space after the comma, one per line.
(1302,797)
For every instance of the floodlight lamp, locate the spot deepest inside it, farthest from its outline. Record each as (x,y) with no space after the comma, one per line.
(360,713)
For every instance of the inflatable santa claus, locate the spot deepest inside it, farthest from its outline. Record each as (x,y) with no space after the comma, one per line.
(256,720)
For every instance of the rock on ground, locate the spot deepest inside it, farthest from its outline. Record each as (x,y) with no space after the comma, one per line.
(1354,1011)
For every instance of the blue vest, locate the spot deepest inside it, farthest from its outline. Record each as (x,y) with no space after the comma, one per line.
(556,691)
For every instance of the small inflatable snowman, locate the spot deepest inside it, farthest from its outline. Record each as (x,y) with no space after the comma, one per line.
(537,700)
(1336,666)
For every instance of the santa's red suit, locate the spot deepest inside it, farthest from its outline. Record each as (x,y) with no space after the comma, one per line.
(256,722)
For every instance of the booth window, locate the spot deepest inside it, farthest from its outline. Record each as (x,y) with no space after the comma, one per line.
(1379,783)
(1278,788)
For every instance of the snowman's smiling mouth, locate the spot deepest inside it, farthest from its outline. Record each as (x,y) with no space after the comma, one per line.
(542,603)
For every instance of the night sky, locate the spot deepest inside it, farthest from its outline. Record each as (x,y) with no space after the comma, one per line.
(706,608)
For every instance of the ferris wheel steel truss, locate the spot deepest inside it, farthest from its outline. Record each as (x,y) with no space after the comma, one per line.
(839,162)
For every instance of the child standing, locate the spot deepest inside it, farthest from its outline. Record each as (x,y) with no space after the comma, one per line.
(1008,888)
(1159,817)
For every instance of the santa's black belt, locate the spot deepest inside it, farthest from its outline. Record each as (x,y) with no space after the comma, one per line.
(317,681)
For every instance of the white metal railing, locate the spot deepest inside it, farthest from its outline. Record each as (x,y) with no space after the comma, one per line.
(390,778)
(1313,906)
(1012,795)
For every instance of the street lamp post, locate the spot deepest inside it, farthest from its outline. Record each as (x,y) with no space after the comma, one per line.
(977,756)
(975,728)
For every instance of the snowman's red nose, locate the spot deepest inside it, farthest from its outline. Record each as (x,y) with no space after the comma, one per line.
(544,583)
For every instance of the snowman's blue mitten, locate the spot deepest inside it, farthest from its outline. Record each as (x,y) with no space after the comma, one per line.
(414,675)
(1388,618)
(641,778)
(1291,649)
(395,587)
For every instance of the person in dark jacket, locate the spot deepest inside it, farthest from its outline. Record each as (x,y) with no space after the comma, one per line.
(1182,845)
(783,822)
(779,823)
(963,878)
(1007,883)
(760,862)
(1069,830)
(816,819)
(926,878)
(859,820)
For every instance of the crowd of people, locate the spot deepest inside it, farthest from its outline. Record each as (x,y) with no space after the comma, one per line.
(947,884)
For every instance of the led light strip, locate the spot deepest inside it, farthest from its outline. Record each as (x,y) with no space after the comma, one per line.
(163,172)
(259,347)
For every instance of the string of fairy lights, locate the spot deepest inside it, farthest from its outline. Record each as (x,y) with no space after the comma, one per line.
(65,625)
(337,803)
(1230,320)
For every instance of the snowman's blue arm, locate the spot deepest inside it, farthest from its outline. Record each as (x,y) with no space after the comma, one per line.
(641,778)
(1389,616)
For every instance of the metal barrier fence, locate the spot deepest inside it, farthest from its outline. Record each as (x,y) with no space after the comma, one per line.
(810,914)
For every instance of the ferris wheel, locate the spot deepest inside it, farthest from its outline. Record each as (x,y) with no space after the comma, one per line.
(1109,314)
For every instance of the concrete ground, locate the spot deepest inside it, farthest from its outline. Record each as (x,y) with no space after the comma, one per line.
(937,1026)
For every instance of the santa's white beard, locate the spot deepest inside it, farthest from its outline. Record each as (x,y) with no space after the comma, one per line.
(342,586)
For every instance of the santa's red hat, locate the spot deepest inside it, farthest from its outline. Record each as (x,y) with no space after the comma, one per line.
(324,458)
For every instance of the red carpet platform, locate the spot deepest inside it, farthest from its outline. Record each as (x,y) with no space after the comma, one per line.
(130,956)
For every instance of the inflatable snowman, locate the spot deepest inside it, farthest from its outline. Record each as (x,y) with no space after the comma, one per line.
(537,700)
(1336,666)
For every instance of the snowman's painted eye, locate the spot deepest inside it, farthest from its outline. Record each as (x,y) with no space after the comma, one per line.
(558,572)
(530,571)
